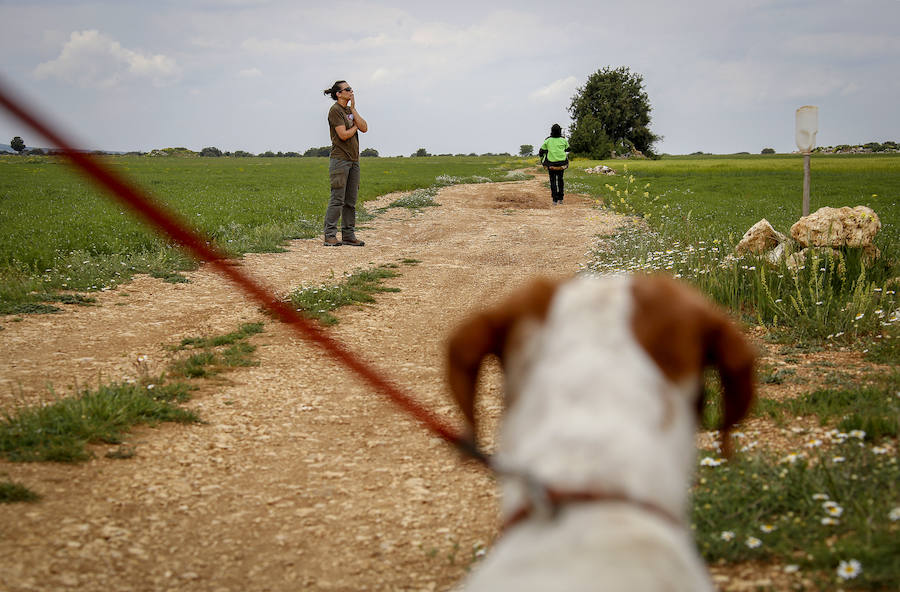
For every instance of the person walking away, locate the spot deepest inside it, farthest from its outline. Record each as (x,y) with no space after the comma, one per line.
(344,123)
(554,156)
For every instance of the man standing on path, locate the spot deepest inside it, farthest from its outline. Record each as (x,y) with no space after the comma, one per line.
(343,169)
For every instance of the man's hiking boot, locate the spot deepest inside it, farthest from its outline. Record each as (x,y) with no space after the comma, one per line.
(332,241)
(353,242)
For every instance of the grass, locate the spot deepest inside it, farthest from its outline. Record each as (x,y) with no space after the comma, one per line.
(12,492)
(687,215)
(418,199)
(63,430)
(318,302)
(246,330)
(810,512)
(871,406)
(60,235)
(211,355)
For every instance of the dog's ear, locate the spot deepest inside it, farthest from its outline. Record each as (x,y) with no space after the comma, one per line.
(683,332)
(733,356)
(486,333)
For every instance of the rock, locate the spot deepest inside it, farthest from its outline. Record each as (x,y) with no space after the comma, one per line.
(600,169)
(837,227)
(776,254)
(760,238)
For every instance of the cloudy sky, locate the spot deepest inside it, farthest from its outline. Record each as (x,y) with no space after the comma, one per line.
(460,76)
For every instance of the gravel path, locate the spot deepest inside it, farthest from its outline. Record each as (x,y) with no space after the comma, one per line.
(300,478)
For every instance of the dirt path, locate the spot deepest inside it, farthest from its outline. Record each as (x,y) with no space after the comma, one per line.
(300,478)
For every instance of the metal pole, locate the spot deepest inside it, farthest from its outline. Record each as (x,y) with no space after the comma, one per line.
(806,184)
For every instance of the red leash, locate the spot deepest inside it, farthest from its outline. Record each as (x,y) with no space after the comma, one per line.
(169,224)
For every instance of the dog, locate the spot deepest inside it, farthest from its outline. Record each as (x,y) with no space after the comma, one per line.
(604,387)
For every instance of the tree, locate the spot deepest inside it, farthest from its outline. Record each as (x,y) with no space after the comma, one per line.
(611,112)
(211,151)
(526,150)
(768,151)
(420,152)
(369,152)
(17,144)
(320,151)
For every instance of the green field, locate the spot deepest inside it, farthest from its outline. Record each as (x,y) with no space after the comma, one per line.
(59,233)
(692,211)
(722,196)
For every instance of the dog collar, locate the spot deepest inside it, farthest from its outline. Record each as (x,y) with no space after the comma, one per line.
(554,499)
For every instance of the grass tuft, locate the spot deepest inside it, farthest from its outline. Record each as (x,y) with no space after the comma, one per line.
(873,408)
(11,493)
(61,431)
(357,288)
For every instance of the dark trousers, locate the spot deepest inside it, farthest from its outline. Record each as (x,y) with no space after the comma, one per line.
(344,176)
(557,189)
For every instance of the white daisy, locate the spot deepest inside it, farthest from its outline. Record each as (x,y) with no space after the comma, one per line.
(849,569)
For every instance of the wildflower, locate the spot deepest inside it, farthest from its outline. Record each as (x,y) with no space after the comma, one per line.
(860,434)
(879,450)
(792,568)
(859,316)
(849,569)
(727,535)
(150,387)
(711,462)
(820,496)
(767,528)
(143,358)
(833,509)
(894,514)
(838,459)
(753,542)
(828,521)
(791,458)
(814,443)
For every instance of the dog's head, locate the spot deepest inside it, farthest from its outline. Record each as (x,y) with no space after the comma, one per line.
(679,329)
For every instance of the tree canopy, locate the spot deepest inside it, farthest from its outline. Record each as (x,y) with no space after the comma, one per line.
(17,144)
(611,113)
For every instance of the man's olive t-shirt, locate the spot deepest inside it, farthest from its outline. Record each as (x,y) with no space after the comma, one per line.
(342,149)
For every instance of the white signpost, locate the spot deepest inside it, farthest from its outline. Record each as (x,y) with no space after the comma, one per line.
(807,125)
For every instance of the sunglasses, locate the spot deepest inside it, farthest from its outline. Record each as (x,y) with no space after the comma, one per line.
(347,88)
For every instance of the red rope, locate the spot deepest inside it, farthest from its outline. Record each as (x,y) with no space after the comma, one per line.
(168,223)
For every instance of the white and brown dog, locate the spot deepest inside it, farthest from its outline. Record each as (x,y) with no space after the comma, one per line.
(604,382)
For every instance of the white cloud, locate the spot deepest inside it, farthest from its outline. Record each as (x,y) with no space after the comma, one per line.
(91,59)
(561,89)
(250,73)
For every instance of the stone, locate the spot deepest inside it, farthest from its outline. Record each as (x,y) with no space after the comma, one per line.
(760,238)
(837,227)
(600,169)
